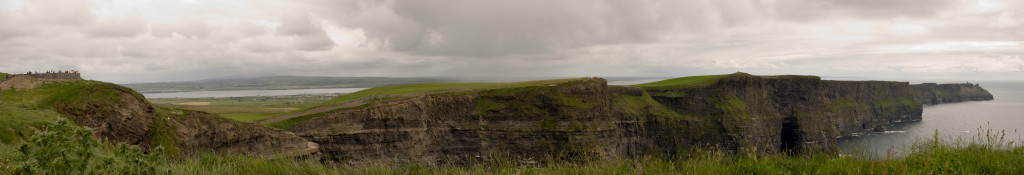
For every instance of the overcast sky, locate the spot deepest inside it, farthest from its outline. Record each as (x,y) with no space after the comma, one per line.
(125,41)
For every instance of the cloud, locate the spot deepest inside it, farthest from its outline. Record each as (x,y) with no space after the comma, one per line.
(119,27)
(144,41)
(63,12)
(298,23)
(1006,19)
(491,28)
(303,32)
(194,28)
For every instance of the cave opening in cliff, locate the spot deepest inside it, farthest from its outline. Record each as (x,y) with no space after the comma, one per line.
(791,136)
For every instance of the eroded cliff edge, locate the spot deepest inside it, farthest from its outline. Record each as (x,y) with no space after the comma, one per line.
(932,94)
(586,118)
(120,114)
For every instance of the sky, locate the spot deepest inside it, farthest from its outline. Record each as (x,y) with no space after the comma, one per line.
(136,41)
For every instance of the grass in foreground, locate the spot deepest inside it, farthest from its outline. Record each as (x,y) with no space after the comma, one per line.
(935,156)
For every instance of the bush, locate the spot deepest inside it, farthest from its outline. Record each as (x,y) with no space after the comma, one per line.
(63,148)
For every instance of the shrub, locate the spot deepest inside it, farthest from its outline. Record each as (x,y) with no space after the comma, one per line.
(63,148)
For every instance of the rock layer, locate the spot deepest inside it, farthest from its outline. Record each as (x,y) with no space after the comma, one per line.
(120,114)
(198,132)
(586,118)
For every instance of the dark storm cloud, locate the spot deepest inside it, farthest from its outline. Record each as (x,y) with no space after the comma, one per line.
(305,34)
(145,41)
(488,28)
(483,28)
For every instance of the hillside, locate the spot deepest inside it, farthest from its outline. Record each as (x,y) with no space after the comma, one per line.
(275,83)
(119,114)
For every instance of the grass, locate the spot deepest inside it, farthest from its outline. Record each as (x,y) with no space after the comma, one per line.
(21,110)
(250,117)
(385,93)
(908,101)
(687,82)
(435,87)
(17,120)
(989,155)
(643,106)
(843,103)
(731,107)
(292,122)
(245,109)
(934,156)
(575,102)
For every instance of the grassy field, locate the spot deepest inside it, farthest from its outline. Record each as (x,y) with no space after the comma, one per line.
(685,82)
(245,108)
(259,108)
(434,87)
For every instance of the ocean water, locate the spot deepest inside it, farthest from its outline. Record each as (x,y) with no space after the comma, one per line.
(247,93)
(965,121)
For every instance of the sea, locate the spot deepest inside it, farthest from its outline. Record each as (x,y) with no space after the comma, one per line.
(1001,119)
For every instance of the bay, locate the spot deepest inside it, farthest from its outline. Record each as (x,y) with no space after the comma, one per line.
(963,122)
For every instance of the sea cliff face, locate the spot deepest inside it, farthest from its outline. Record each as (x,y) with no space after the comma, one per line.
(569,120)
(932,94)
(586,118)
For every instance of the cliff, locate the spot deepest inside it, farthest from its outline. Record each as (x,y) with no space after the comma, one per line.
(586,118)
(119,114)
(932,94)
(785,113)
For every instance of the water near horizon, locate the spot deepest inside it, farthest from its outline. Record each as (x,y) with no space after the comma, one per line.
(964,120)
(249,93)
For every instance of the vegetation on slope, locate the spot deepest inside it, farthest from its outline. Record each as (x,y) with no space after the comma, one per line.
(687,82)
(731,107)
(642,106)
(65,149)
(436,87)
(4,75)
(21,110)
